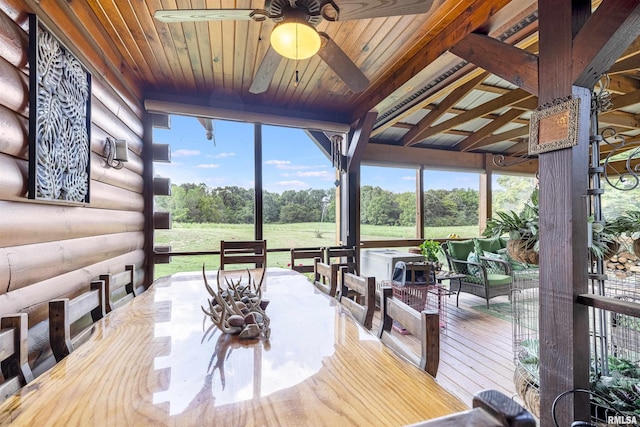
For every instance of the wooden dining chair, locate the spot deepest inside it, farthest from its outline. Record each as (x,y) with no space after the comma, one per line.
(325,277)
(343,256)
(65,314)
(119,288)
(424,325)
(306,254)
(243,252)
(14,354)
(358,294)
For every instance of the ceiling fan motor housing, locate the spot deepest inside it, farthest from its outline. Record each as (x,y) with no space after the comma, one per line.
(307,10)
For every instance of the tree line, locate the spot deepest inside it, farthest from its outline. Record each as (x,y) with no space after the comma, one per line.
(197,203)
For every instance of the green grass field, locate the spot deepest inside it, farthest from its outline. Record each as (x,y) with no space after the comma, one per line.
(207,237)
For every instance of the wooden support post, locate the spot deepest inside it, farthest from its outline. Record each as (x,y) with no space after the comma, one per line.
(147,194)
(257,201)
(420,202)
(564,329)
(485,206)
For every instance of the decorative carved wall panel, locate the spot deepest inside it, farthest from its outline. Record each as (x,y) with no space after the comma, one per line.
(59,120)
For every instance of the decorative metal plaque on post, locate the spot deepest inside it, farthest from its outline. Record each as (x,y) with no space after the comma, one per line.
(59,120)
(554,126)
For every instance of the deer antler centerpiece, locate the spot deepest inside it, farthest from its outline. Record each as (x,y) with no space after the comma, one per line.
(238,308)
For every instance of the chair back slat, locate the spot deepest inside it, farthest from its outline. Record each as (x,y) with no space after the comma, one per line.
(243,252)
(14,354)
(119,288)
(325,277)
(358,295)
(304,254)
(343,256)
(424,325)
(65,312)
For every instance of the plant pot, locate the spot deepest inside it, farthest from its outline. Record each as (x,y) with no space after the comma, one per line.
(612,249)
(519,251)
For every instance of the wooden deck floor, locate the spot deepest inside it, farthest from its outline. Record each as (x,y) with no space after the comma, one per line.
(475,350)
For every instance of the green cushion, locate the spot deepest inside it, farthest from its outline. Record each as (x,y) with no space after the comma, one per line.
(487,245)
(460,249)
(498,279)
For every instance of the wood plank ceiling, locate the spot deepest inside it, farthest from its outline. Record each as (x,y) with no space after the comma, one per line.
(424,94)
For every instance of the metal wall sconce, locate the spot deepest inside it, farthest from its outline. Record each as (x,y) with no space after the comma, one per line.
(116,151)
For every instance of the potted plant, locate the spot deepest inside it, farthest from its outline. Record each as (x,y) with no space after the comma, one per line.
(430,249)
(522,229)
(628,224)
(523,232)
(605,239)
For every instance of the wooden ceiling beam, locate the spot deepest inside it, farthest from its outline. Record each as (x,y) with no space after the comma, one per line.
(415,134)
(493,89)
(491,116)
(626,100)
(620,118)
(632,50)
(503,101)
(525,39)
(321,140)
(620,84)
(520,148)
(443,159)
(510,135)
(476,138)
(504,60)
(360,140)
(613,26)
(625,65)
(470,15)
(167,104)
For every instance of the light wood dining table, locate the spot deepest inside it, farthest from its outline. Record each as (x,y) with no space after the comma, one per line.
(151,363)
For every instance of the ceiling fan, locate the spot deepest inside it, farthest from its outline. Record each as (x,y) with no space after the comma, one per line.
(295,35)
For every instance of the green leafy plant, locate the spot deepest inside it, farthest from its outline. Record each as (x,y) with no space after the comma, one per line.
(522,226)
(627,224)
(605,238)
(430,249)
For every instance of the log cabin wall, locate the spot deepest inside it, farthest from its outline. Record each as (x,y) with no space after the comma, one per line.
(50,250)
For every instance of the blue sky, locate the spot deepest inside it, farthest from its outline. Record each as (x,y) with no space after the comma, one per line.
(291,161)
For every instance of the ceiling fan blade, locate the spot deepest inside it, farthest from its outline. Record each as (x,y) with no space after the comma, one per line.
(193,15)
(365,9)
(266,71)
(342,65)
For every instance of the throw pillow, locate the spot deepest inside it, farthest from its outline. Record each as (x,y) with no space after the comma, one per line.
(473,269)
(496,265)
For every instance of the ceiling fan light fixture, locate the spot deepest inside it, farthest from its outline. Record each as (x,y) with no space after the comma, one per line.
(294,39)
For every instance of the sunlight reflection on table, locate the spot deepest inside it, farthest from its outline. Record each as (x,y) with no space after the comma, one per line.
(230,370)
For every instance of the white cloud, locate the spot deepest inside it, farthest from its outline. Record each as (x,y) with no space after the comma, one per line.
(314,174)
(223,155)
(185,153)
(409,178)
(280,164)
(209,166)
(290,184)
